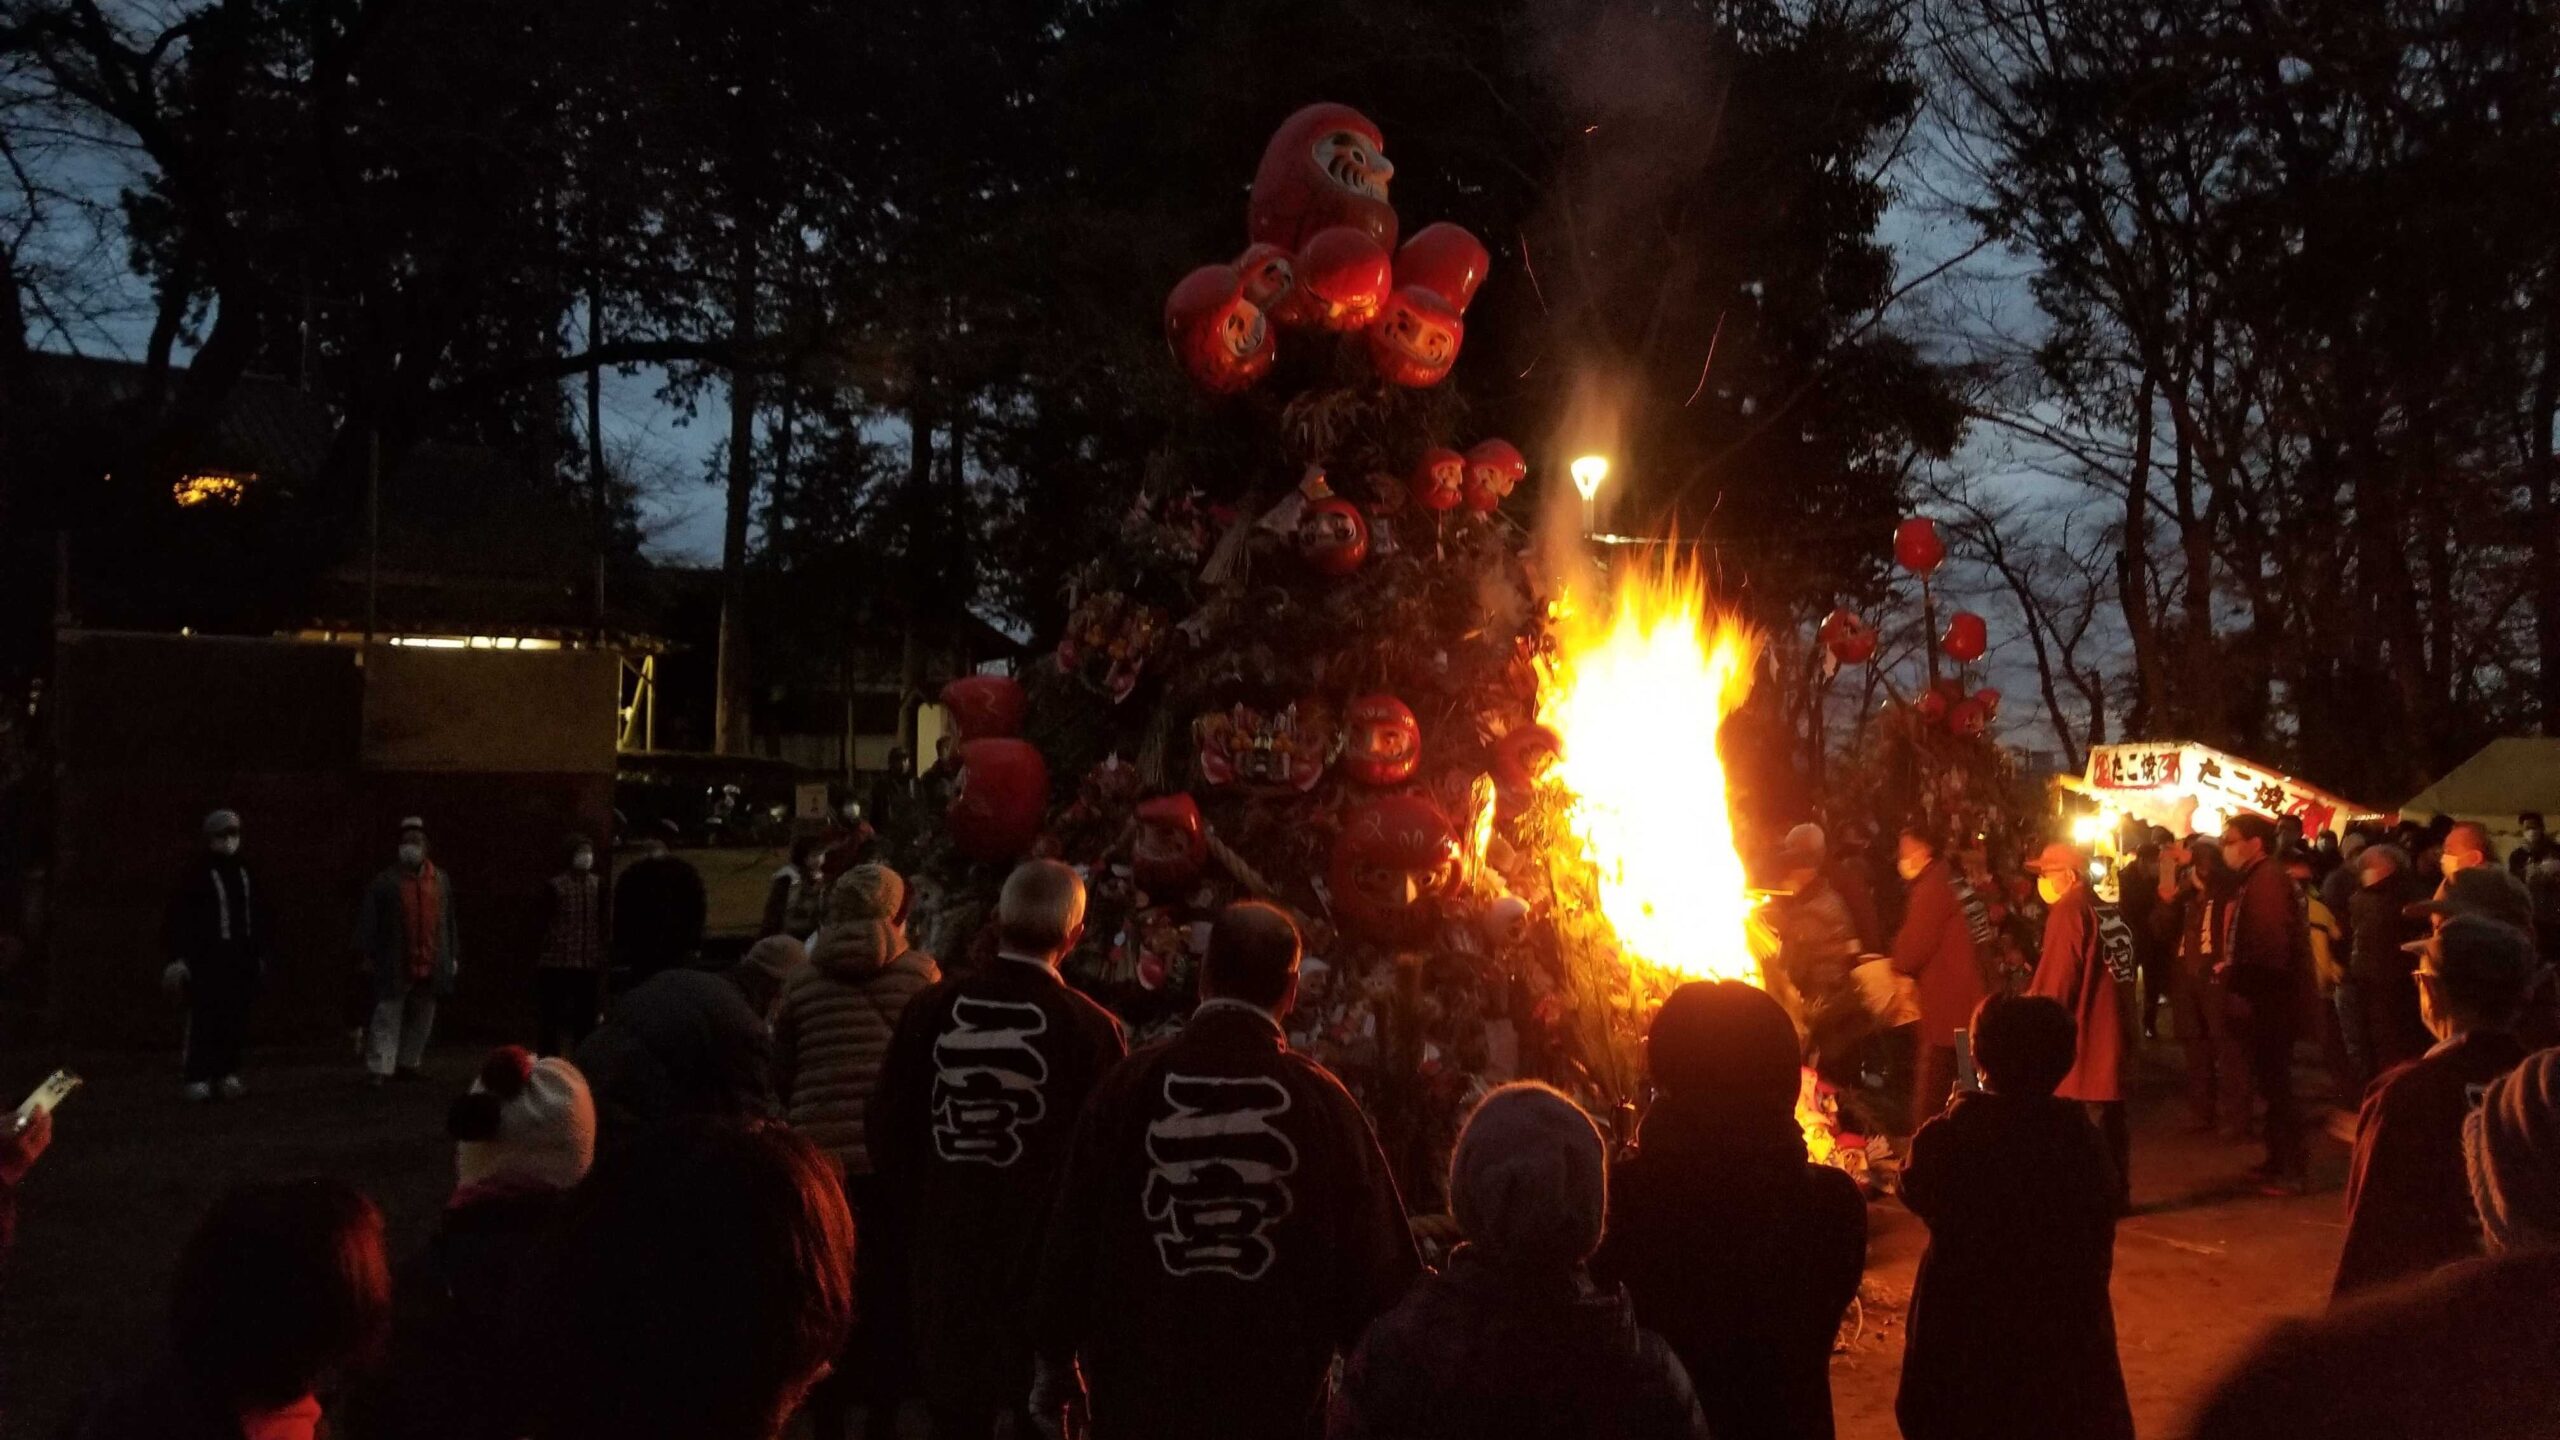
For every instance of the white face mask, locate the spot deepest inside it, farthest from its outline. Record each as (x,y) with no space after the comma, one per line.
(413,855)
(583,861)
(226,844)
(2453,863)
(2051,888)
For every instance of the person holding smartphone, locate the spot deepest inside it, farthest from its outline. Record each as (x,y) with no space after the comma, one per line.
(219,933)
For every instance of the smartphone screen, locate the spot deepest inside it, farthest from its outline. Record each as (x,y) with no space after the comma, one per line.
(56,1087)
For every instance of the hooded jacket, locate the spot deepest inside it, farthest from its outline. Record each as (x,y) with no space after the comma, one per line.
(1485,1352)
(1226,1224)
(832,1030)
(2012,1332)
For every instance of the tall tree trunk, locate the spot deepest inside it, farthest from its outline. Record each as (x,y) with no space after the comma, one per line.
(731,697)
(2133,573)
(920,425)
(2541,480)
(599,493)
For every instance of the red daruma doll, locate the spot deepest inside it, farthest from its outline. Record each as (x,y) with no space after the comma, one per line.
(1326,165)
(1415,339)
(1222,339)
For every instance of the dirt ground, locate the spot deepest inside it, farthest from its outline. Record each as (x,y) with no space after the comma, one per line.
(2204,1266)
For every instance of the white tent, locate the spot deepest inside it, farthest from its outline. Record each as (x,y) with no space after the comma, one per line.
(2507,778)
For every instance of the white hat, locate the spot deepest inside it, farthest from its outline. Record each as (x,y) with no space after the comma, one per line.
(526,1120)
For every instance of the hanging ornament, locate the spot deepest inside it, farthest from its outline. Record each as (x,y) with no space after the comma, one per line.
(1939,699)
(1381,741)
(1415,339)
(1108,642)
(1966,638)
(1003,793)
(1523,758)
(1343,281)
(1849,638)
(1172,847)
(1332,537)
(1445,260)
(1989,700)
(1494,470)
(1326,165)
(1968,719)
(1393,860)
(1277,752)
(1222,340)
(986,707)
(1439,479)
(1916,546)
(1270,279)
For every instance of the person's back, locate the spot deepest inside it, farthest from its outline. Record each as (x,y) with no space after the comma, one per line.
(2012,1332)
(685,1043)
(1735,1248)
(2471,1351)
(1513,1341)
(525,1136)
(1227,1223)
(970,1128)
(839,1012)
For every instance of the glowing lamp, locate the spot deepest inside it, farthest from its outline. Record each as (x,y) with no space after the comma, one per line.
(1588,472)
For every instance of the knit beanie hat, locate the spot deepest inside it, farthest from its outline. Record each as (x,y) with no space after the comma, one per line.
(1530,1180)
(525,1120)
(868,892)
(1726,1043)
(775,957)
(2511,1145)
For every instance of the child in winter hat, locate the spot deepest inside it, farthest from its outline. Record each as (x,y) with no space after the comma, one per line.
(526,1124)
(2512,1145)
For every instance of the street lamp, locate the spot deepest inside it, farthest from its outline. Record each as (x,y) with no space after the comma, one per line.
(1588,472)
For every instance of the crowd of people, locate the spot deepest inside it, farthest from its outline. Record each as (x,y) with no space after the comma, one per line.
(834,1180)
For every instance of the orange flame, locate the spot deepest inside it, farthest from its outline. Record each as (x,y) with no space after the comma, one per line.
(1638,695)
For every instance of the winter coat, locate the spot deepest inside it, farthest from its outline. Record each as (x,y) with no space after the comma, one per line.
(2376,929)
(1478,1352)
(1817,941)
(2196,925)
(2472,1351)
(1221,1185)
(1935,947)
(452,1371)
(682,1044)
(2409,1206)
(832,1027)
(1742,1255)
(2012,1335)
(2073,970)
(220,925)
(795,904)
(2270,951)
(969,1132)
(382,933)
(658,915)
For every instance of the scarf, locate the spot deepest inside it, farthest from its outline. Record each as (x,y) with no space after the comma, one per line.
(222,902)
(422,919)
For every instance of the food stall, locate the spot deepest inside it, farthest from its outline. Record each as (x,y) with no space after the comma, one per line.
(2192,789)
